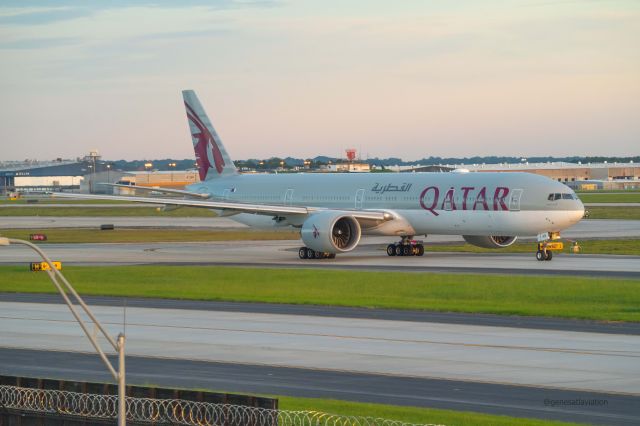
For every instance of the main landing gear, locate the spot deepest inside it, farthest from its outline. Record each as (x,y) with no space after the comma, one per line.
(307,253)
(406,247)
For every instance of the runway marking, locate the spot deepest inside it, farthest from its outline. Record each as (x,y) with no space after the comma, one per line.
(616,353)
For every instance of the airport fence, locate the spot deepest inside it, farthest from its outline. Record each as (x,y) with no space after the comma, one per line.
(86,406)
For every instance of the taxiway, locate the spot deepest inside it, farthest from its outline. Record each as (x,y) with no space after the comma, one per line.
(502,370)
(369,255)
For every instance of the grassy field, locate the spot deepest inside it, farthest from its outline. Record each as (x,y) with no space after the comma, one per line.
(49,200)
(595,212)
(625,213)
(106,211)
(120,235)
(569,297)
(613,197)
(619,246)
(408,414)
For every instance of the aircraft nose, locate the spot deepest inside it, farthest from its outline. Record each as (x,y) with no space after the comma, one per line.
(579,209)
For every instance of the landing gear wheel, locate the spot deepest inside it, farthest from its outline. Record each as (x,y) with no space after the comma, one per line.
(406,250)
(398,249)
(302,252)
(311,253)
(319,255)
(540,255)
(331,256)
(391,250)
(419,250)
(549,255)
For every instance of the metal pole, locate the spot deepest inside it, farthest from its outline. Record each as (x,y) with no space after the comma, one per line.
(54,275)
(122,410)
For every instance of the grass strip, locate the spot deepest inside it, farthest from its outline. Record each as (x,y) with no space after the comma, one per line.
(565,297)
(617,197)
(409,414)
(145,235)
(618,247)
(48,200)
(106,211)
(625,213)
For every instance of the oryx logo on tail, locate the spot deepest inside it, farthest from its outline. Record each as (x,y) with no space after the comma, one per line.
(209,151)
(204,141)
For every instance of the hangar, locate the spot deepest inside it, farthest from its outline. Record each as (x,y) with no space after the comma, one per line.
(39,176)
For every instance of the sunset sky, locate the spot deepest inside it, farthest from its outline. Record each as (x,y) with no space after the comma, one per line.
(408,79)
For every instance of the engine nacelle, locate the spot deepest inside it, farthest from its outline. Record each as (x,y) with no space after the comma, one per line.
(331,232)
(490,241)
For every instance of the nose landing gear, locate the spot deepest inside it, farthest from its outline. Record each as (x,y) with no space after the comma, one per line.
(547,247)
(406,247)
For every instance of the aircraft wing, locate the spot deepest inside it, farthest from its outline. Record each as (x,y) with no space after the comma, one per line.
(266,209)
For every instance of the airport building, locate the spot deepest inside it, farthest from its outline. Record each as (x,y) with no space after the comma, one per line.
(589,176)
(175,179)
(40,176)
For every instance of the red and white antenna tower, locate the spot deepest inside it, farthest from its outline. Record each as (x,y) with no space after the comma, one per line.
(351,154)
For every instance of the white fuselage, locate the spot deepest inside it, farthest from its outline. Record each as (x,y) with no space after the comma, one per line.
(516,204)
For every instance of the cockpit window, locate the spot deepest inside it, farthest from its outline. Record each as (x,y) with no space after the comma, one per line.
(553,197)
(567,196)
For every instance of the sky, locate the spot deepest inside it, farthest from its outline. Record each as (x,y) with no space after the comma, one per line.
(407,79)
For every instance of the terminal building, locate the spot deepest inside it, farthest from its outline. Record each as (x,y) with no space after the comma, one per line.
(589,176)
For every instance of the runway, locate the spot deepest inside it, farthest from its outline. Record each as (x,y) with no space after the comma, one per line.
(369,255)
(579,361)
(482,368)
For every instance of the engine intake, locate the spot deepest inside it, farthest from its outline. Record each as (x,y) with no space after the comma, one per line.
(490,241)
(331,232)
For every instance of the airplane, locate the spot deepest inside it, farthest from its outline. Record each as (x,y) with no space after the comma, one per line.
(333,210)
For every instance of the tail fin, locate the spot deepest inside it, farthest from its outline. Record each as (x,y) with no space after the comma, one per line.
(211,156)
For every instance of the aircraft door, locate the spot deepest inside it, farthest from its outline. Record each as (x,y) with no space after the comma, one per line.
(514,200)
(288,197)
(359,198)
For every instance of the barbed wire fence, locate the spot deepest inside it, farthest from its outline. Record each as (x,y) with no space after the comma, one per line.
(171,411)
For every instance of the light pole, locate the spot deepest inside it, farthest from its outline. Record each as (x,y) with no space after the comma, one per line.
(118,345)
(90,179)
(109,173)
(172,168)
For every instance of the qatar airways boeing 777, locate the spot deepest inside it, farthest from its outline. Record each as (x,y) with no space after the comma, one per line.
(333,211)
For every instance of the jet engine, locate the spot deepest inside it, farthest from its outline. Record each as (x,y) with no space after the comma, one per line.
(490,241)
(331,232)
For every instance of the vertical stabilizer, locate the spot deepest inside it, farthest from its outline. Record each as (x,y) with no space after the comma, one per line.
(211,156)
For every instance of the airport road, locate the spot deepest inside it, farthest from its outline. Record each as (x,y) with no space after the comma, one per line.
(283,254)
(480,368)
(519,401)
(31,222)
(539,323)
